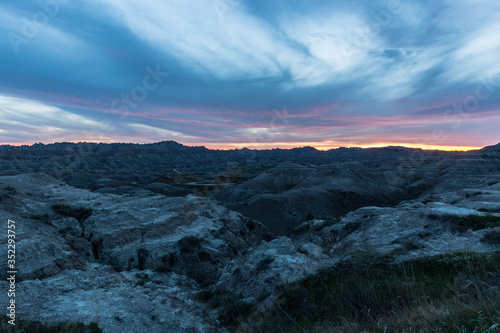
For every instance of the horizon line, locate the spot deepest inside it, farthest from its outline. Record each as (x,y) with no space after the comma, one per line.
(277,145)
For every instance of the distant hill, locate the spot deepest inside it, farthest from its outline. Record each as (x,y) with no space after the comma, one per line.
(278,187)
(80,164)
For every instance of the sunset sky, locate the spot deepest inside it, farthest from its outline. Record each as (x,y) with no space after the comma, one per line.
(251,73)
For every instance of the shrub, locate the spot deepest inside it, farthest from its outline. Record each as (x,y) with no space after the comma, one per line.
(232,308)
(79,213)
(142,279)
(142,257)
(491,237)
(205,295)
(412,245)
(264,263)
(189,244)
(7,192)
(349,228)
(29,326)
(310,217)
(204,255)
(487,210)
(166,263)
(464,222)
(44,218)
(251,225)
(10,190)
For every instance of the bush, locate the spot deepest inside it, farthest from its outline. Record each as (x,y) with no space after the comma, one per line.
(10,190)
(412,245)
(463,223)
(349,228)
(6,192)
(142,258)
(142,279)
(487,210)
(205,295)
(491,237)
(232,308)
(44,218)
(28,326)
(189,244)
(166,263)
(79,213)
(204,255)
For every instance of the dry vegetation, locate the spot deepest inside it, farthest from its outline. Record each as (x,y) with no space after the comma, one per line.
(457,292)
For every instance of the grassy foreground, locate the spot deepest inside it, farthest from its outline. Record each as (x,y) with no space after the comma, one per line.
(25,326)
(457,292)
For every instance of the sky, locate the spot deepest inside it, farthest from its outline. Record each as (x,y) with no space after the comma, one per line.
(251,73)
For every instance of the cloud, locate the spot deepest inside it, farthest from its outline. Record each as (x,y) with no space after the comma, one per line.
(21,117)
(345,72)
(239,45)
(155,134)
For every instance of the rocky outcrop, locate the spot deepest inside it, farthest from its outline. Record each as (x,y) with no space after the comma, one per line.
(121,261)
(433,224)
(130,301)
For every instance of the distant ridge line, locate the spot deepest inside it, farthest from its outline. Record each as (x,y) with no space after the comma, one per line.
(179,145)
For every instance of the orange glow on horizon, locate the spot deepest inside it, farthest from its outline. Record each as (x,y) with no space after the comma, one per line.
(322,146)
(290,145)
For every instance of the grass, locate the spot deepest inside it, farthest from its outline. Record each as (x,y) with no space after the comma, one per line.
(464,222)
(26,326)
(232,308)
(79,213)
(456,292)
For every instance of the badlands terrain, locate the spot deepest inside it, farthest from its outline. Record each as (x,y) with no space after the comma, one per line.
(168,238)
